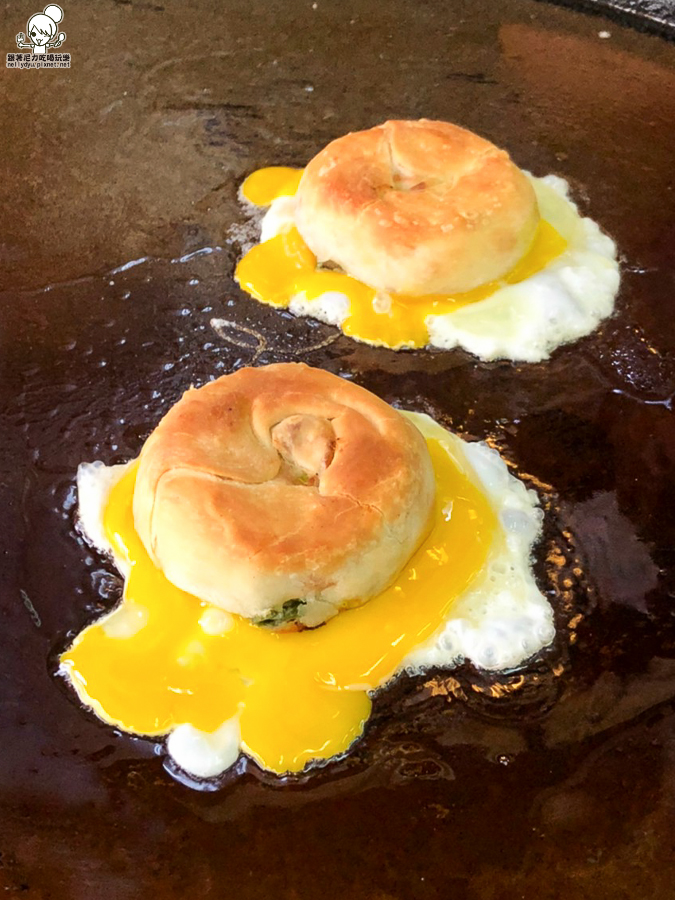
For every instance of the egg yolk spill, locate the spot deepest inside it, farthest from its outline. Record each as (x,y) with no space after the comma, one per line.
(265,185)
(279,269)
(300,696)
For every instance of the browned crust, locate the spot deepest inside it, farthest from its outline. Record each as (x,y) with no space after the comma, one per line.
(417,207)
(230,518)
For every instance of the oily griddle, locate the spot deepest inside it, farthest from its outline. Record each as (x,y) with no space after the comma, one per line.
(120,232)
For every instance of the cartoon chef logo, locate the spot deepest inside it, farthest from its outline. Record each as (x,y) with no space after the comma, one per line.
(42,31)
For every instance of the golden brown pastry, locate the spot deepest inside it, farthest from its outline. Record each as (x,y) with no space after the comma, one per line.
(417,207)
(283,492)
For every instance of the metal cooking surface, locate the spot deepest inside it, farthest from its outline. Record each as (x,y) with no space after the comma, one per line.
(657,16)
(119,236)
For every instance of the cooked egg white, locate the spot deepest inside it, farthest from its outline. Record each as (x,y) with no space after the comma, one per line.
(164,662)
(563,287)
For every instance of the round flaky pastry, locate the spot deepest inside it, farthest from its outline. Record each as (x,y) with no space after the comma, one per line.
(416,207)
(283,493)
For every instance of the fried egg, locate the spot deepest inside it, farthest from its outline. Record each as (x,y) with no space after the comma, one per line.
(165,663)
(560,290)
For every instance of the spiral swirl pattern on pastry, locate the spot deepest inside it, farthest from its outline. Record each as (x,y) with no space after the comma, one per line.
(282,484)
(417,207)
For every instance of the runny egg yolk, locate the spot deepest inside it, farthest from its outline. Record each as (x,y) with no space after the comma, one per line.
(281,268)
(300,696)
(265,185)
